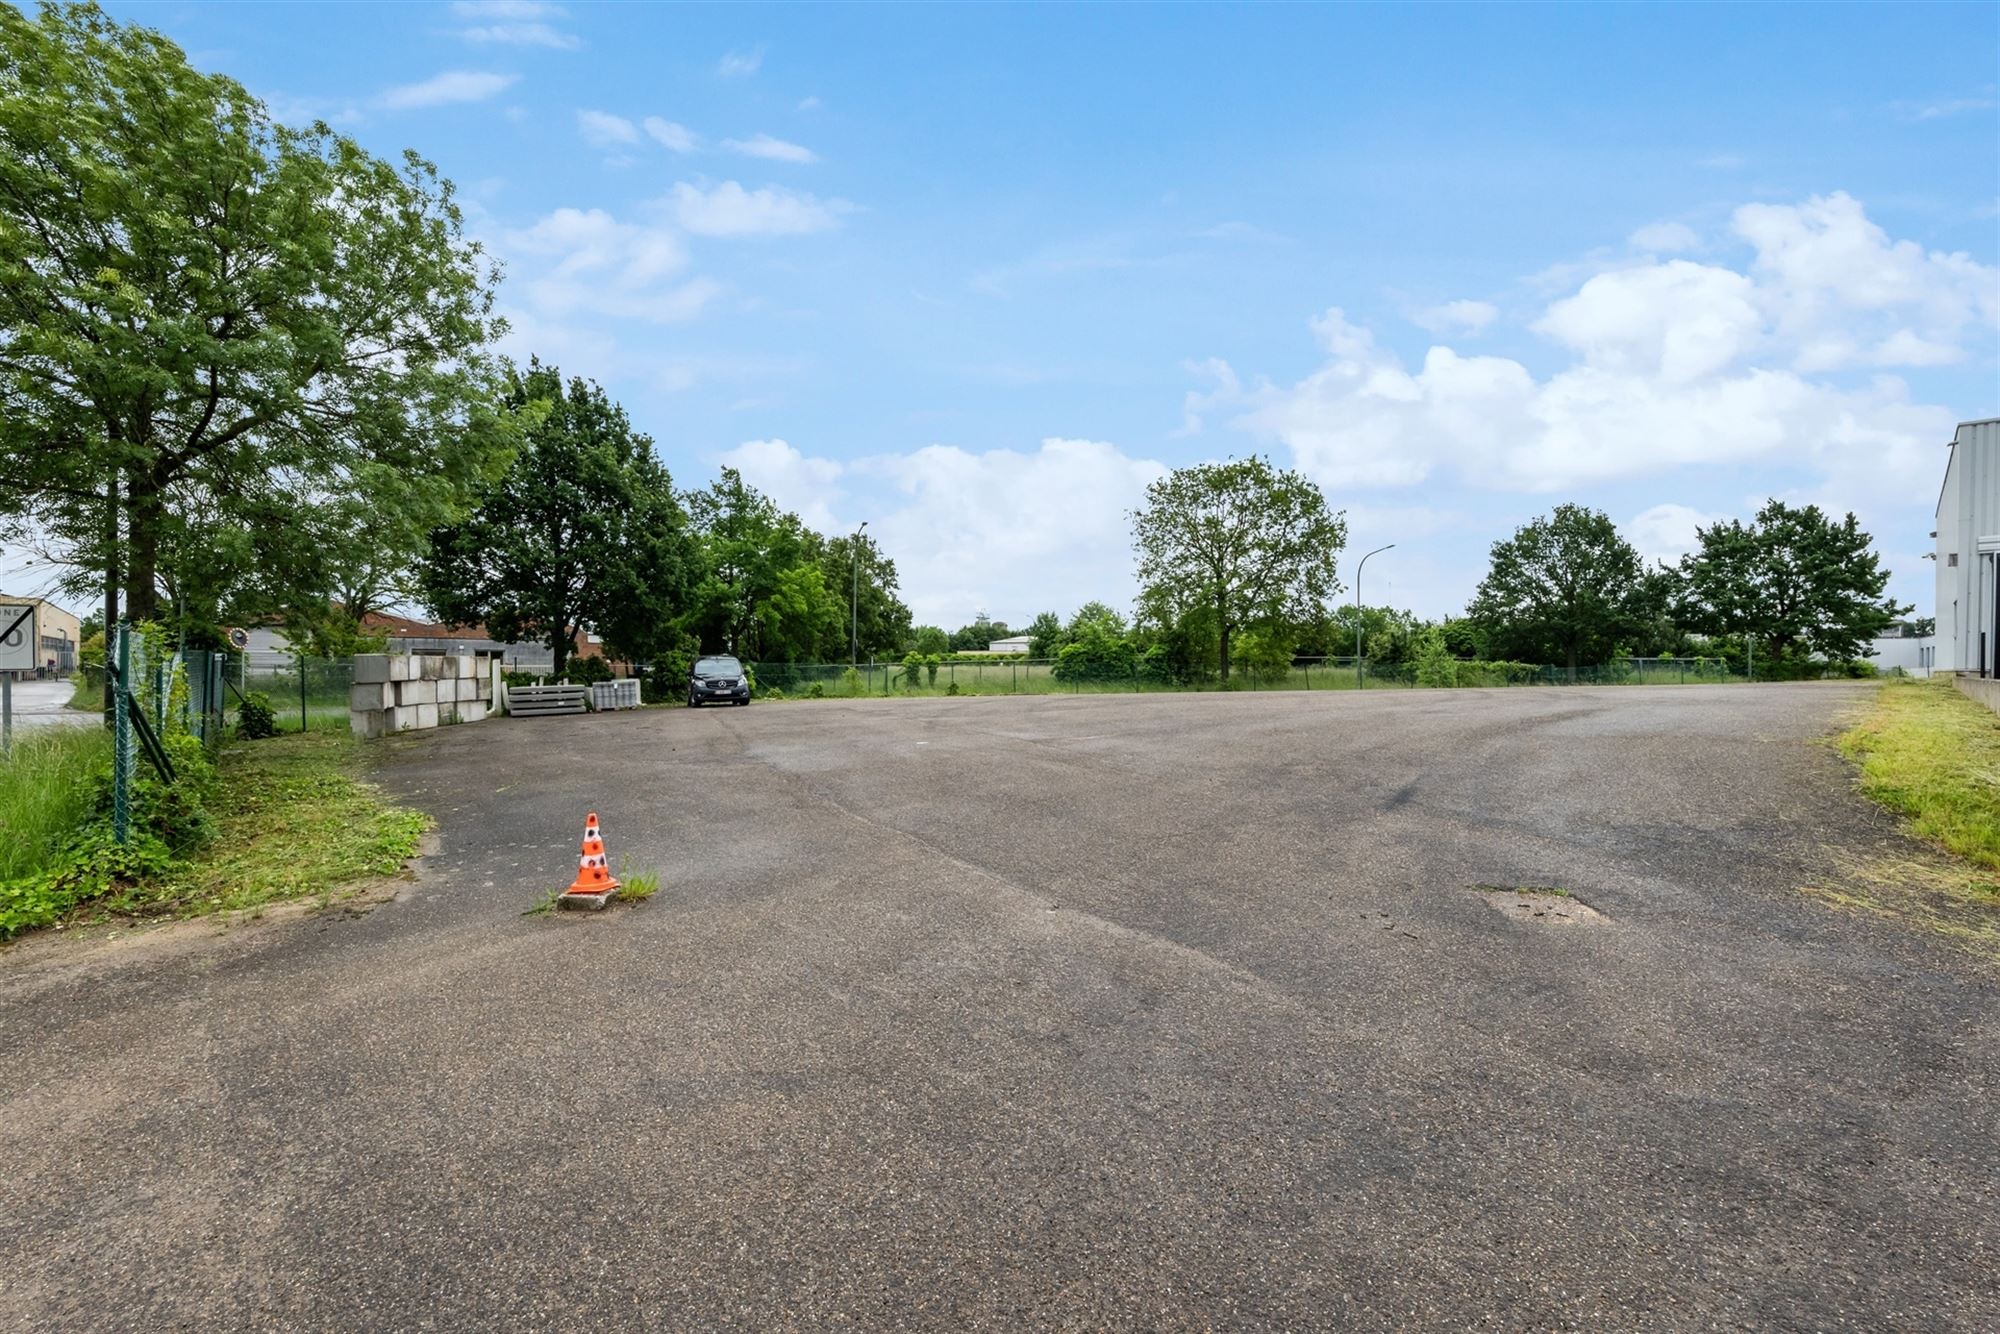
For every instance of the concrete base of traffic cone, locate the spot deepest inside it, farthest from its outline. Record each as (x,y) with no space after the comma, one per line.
(586,898)
(593,887)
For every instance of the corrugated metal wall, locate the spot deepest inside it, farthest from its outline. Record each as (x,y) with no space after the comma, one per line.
(1969,526)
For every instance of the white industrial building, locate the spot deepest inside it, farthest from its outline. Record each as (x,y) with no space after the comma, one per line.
(1968,553)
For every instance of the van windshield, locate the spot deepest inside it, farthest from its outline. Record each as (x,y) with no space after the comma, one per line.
(718,667)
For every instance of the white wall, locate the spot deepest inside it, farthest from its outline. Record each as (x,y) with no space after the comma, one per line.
(1968,548)
(1914,656)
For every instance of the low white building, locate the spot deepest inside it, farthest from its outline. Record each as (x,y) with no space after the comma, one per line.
(1913,655)
(1011,644)
(1968,552)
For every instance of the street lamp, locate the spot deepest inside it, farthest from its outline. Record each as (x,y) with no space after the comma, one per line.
(854,606)
(1358,681)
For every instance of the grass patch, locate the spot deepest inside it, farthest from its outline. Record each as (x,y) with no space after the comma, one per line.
(45,794)
(291,819)
(1933,756)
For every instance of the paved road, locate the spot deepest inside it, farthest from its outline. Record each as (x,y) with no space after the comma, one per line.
(42,704)
(1156,1012)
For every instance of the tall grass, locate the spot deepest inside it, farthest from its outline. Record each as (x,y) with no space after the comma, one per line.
(45,791)
(1930,753)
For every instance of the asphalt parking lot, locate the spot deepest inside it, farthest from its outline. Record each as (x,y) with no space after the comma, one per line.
(1121,1011)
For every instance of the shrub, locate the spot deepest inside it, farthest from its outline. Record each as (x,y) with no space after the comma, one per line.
(913,667)
(1432,661)
(255,717)
(1096,657)
(586,671)
(931,661)
(818,691)
(850,682)
(952,689)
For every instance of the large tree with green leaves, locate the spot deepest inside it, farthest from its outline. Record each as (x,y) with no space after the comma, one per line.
(584,532)
(865,583)
(1249,543)
(209,321)
(1794,579)
(1566,586)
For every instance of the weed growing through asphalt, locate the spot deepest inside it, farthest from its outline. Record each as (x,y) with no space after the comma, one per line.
(638,886)
(1523,889)
(544,905)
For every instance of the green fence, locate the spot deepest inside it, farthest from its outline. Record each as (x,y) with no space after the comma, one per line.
(1040,676)
(306,694)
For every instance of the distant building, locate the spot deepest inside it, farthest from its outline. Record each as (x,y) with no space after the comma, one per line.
(61,634)
(1968,552)
(1012,644)
(269,649)
(1914,654)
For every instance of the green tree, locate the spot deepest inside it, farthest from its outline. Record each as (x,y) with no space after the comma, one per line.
(929,639)
(1095,618)
(1564,586)
(1793,579)
(747,544)
(1045,635)
(799,616)
(209,322)
(1251,543)
(583,532)
(860,570)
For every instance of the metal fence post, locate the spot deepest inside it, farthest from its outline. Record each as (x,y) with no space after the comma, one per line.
(6,713)
(121,739)
(302,692)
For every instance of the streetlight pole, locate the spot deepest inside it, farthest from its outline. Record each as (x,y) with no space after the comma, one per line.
(854,604)
(1359,682)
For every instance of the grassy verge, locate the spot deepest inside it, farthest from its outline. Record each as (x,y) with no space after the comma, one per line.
(1933,755)
(292,819)
(45,794)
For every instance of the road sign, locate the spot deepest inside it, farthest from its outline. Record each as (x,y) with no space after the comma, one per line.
(20,645)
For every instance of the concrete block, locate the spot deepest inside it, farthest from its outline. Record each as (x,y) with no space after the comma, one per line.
(461,665)
(472,711)
(368,724)
(434,666)
(427,715)
(399,719)
(411,693)
(375,696)
(483,689)
(402,667)
(370,668)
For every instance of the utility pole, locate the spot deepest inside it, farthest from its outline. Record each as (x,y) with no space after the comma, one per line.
(854,602)
(1359,681)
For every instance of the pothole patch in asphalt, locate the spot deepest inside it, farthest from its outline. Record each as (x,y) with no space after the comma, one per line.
(1545,905)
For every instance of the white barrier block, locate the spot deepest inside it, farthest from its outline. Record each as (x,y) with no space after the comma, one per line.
(370,668)
(416,692)
(427,716)
(375,696)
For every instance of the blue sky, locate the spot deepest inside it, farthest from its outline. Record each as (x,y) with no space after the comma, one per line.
(977,274)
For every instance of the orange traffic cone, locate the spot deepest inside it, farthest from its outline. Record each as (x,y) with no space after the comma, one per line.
(593,869)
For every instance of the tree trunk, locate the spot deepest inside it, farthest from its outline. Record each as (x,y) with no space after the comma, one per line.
(1572,662)
(1225,649)
(561,641)
(146,515)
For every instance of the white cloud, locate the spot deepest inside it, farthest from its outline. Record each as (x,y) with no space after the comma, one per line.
(1676,320)
(513,23)
(776,150)
(446,89)
(809,104)
(809,487)
(1672,364)
(1666,532)
(679,138)
(738,64)
(1665,238)
(730,210)
(1956,106)
(1459,316)
(606,130)
(1723,162)
(585,261)
(1060,512)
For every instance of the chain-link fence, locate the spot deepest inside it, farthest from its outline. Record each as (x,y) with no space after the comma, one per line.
(1049,676)
(305,694)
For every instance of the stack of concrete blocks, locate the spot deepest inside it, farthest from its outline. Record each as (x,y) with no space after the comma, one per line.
(407,692)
